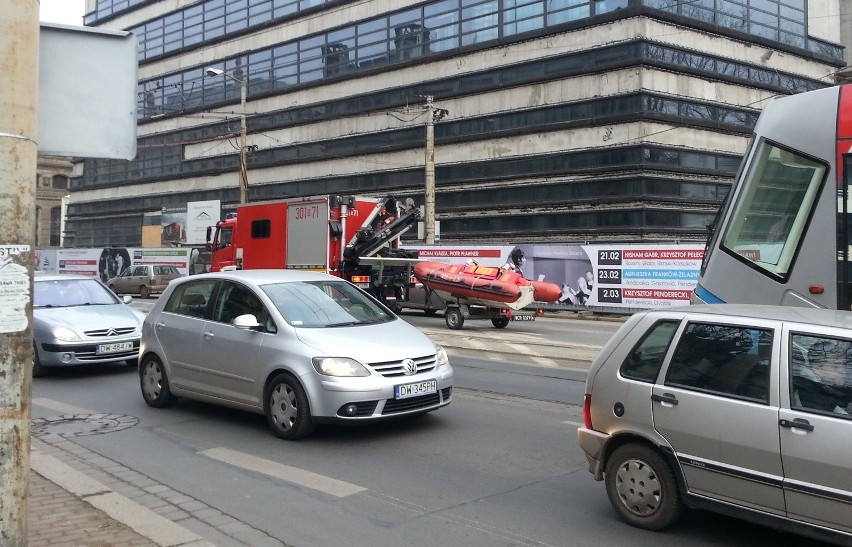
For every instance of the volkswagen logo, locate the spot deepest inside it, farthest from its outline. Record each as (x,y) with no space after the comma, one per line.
(409,367)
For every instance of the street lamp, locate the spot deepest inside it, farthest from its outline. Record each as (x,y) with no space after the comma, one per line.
(243,167)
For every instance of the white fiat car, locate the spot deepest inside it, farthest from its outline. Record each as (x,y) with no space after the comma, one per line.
(302,348)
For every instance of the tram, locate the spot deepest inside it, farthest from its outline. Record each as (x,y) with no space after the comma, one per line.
(783,235)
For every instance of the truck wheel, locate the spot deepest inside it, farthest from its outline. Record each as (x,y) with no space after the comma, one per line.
(641,487)
(454,318)
(500,322)
(144,291)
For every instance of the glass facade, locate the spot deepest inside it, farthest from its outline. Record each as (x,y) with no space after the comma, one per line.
(194,90)
(445,25)
(105,9)
(662,213)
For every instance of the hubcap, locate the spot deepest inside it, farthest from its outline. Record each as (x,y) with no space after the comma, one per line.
(282,404)
(153,380)
(638,488)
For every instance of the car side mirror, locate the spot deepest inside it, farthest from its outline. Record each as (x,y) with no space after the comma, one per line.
(247,321)
(127,299)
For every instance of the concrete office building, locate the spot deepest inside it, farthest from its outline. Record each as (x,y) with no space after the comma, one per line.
(556,120)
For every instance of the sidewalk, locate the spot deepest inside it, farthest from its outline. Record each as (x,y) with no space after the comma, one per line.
(57,519)
(66,508)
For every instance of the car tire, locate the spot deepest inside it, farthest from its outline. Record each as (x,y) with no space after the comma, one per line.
(38,370)
(287,409)
(155,383)
(144,292)
(500,322)
(642,488)
(454,318)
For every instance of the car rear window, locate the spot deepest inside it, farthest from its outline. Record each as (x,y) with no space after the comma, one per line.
(724,359)
(646,359)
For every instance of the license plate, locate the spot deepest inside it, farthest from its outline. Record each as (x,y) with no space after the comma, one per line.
(415,390)
(523,318)
(114,347)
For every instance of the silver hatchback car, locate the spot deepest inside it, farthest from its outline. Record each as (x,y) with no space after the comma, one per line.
(302,348)
(743,410)
(77,321)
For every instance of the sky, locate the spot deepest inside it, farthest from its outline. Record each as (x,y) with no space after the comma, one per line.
(65,12)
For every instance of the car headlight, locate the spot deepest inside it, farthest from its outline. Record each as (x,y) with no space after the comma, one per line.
(339,366)
(441,358)
(65,334)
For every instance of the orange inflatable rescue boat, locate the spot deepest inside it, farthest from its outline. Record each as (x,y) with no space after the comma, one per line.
(487,285)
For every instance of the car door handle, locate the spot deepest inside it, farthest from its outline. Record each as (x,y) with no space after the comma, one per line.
(160,324)
(798,423)
(666,399)
(208,334)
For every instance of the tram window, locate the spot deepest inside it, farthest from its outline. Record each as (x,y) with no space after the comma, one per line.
(777,196)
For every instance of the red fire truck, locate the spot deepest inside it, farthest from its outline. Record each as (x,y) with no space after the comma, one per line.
(329,233)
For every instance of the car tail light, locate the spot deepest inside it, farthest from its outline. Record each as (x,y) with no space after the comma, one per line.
(587,411)
(360,279)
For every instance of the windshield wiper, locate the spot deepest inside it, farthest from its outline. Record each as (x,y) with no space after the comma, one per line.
(342,324)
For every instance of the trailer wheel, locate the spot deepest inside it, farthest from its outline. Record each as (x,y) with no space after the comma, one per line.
(500,322)
(454,318)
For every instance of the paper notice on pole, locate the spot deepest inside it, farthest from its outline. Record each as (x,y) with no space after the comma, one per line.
(14,290)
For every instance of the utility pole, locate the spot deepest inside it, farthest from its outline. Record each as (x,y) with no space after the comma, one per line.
(432,115)
(19,43)
(243,164)
(429,202)
(243,150)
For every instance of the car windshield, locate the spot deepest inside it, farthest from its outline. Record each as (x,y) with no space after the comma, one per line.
(61,293)
(318,304)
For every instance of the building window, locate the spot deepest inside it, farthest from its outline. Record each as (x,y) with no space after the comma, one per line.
(37,224)
(55,225)
(60,182)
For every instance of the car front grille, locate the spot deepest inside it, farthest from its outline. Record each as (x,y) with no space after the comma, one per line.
(115,331)
(366,409)
(390,369)
(396,406)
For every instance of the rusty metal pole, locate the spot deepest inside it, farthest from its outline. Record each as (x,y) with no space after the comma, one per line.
(19,35)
